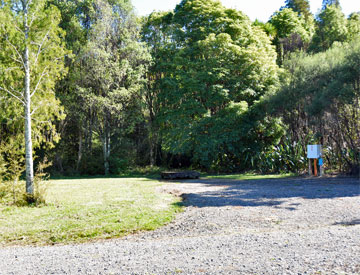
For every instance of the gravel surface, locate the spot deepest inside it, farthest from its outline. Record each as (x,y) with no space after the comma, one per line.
(292,226)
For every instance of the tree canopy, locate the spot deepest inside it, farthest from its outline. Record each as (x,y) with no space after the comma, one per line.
(217,65)
(331,27)
(302,7)
(101,90)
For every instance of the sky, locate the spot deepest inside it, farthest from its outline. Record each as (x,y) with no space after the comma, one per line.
(255,9)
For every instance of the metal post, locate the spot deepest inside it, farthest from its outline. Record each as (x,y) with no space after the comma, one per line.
(321,170)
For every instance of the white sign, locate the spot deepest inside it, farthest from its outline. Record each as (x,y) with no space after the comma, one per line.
(313,151)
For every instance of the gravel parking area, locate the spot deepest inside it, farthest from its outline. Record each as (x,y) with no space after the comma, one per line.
(286,226)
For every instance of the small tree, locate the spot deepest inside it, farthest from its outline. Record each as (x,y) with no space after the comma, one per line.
(31,59)
(13,157)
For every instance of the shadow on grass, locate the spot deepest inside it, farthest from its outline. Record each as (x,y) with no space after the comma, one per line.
(269,192)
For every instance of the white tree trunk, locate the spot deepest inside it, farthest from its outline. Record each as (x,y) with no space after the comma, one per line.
(152,144)
(106,149)
(28,141)
(107,171)
(79,151)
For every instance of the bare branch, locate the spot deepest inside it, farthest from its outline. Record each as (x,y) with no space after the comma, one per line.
(21,58)
(40,121)
(28,3)
(33,16)
(12,94)
(40,46)
(16,26)
(16,60)
(41,76)
(16,92)
(39,81)
(11,68)
(36,108)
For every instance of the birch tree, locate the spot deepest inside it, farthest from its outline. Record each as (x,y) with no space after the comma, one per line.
(31,60)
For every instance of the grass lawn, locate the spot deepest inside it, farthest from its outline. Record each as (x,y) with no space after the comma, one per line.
(249,176)
(78,210)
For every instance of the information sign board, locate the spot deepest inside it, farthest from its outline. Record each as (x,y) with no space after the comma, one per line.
(313,151)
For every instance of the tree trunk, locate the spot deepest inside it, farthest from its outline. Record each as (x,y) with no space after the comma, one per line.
(79,151)
(28,141)
(152,153)
(106,149)
(108,154)
(152,144)
(58,162)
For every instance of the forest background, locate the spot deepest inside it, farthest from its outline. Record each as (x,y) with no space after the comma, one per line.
(201,86)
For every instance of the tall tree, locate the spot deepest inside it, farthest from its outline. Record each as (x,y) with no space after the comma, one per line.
(31,60)
(326,3)
(111,68)
(292,32)
(331,27)
(77,18)
(214,66)
(353,25)
(302,7)
(156,32)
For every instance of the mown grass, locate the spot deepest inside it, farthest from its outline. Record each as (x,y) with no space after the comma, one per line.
(80,210)
(249,176)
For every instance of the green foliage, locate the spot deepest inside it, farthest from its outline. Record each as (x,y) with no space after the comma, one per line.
(267,27)
(331,27)
(353,26)
(199,90)
(293,32)
(302,7)
(13,166)
(106,78)
(46,64)
(214,64)
(288,22)
(324,93)
(12,191)
(327,3)
(287,156)
(31,61)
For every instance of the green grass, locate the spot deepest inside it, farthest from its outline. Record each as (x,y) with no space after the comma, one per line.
(137,172)
(249,176)
(80,210)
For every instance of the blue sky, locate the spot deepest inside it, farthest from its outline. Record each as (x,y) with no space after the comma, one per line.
(260,9)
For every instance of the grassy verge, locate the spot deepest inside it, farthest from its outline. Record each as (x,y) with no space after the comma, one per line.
(79,210)
(249,176)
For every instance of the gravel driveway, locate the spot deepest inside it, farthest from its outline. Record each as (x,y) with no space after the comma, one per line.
(293,226)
